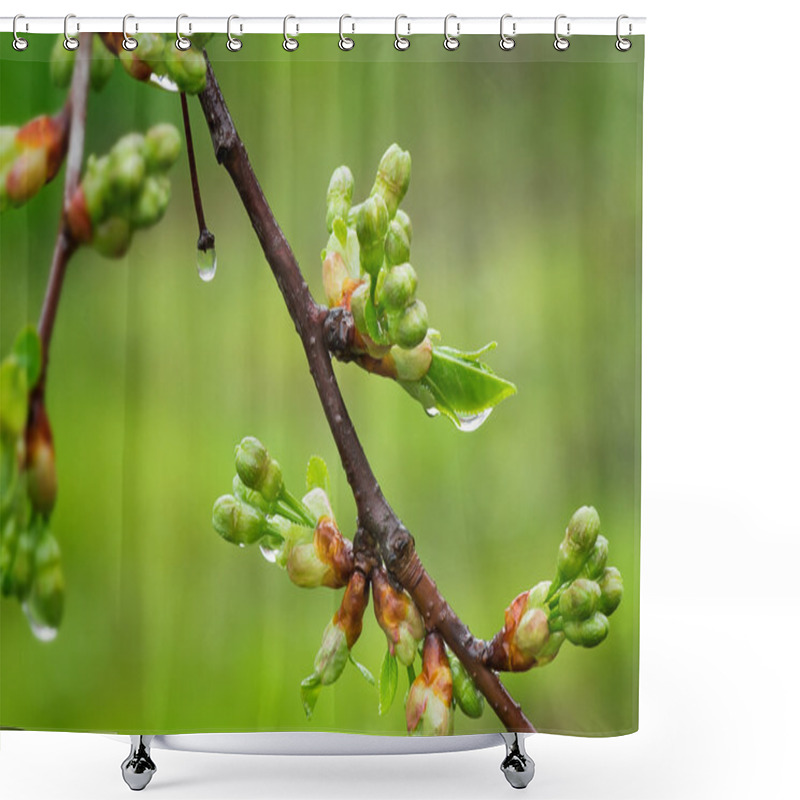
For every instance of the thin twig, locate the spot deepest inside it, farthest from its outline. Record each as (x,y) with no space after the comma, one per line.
(205,240)
(394,543)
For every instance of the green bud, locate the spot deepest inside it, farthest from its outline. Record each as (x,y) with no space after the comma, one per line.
(187,68)
(550,650)
(96,187)
(152,201)
(596,562)
(126,167)
(162,146)
(469,699)
(101,68)
(579,600)
(257,470)
(237,522)
(251,496)
(332,656)
(45,603)
(570,560)
(148,55)
(402,219)
(410,326)
(62,62)
(584,528)
(305,568)
(532,633)
(396,287)
(610,591)
(397,248)
(589,632)
(413,364)
(340,195)
(358,305)
(537,596)
(394,175)
(112,237)
(371,227)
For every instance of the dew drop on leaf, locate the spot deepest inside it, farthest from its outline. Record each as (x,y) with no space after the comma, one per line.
(206,264)
(163,82)
(44,633)
(269,553)
(473,421)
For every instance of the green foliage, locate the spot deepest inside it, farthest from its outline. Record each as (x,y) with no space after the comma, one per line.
(387,683)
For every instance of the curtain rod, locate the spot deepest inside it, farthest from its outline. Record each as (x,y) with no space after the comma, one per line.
(406,26)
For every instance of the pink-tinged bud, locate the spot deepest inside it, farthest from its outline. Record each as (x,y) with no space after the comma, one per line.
(78,219)
(325,561)
(49,134)
(525,633)
(398,617)
(429,708)
(334,275)
(532,634)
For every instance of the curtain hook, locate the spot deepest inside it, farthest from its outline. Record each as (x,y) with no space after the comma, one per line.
(451,42)
(345,42)
(622,44)
(401,42)
(128,42)
(234,44)
(70,42)
(560,42)
(19,43)
(507,42)
(181,42)
(290,44)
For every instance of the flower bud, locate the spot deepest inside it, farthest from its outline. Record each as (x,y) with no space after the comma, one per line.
(409,327)
(466,694)
(588,632)
(550,650)
(340,195)
(26,176)
(49,134)
(237,522)
(405,223)
(126,167)
(101,68)
(334,275)
(579,600)
(8,145)
(350,615)
(396,287)
(332,655)
(358,303)
(257,470)
(371,227)
(584,528)
(250,496)
(429,705)
(40,461)
(45,603)
(325,561)
(398,617)
(149,54)
(530,636)
(152,201)
(96,187)
(537,596)
(162,146)
(610,591)
(394,175)
(112,238)
(62,62)
(412,364)
(596,562)
(187,68)
(397,248)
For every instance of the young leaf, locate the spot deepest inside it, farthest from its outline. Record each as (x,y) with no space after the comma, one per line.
(387,687)
(365,673)
(310,688)
(371,316)
(317,476)
(28,350)
(411,674)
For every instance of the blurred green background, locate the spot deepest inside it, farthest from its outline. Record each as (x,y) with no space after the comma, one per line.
(525,201)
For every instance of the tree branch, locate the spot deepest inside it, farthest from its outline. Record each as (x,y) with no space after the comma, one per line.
(393,541)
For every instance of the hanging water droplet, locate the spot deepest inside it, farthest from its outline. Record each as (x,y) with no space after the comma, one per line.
(269,553)
(163,82)
(432,412)
(44,633)
(206,264)
(472,422)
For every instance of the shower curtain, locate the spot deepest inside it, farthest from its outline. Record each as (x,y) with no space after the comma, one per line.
(202,528)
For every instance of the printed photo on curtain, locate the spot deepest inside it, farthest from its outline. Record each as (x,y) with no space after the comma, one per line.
(320,385)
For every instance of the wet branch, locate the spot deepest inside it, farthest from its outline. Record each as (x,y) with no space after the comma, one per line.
(378,523)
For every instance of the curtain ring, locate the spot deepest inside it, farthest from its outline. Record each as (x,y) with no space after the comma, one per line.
(451,42)
(560,42)
(19,43)
(622,44)
(234,44)
(181,42)
(290,44)
(507,42)
(401,42)
(128,42)
(345,42)
(70,42)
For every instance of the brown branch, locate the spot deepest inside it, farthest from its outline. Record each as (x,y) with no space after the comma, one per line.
(376,517)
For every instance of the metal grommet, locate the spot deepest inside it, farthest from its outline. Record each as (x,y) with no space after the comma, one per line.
(401,42)
(290,44)
(622,44)
(233,44)
(560,42)
(181,42)
(345,42)
(70,42)
(507,42)
(451,42)
(19,43)
(128,42)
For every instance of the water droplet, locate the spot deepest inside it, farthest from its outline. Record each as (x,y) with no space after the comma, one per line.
(432,412)
(206,264)
(270,554)
(473,421)
(163,82)
(44,633)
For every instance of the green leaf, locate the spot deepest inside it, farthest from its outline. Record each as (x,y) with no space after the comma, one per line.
(411,674)
(13,396)
(387,687)
(365,673)
(28,350)
(310,688)
(459,385)
(317,476)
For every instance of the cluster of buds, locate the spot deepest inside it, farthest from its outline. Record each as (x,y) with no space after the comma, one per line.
(574,607)
(30,559)
(157,60)
(31,156)
(124,190)
(429,706)
(62,65)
